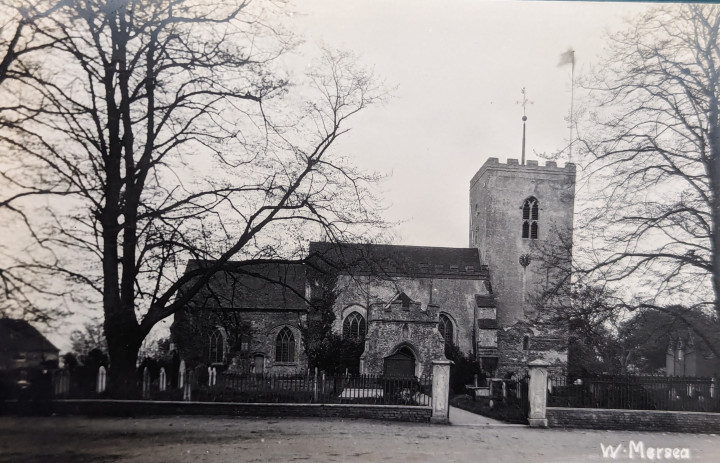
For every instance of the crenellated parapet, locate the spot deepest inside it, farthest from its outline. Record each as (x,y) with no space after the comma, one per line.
(530,167)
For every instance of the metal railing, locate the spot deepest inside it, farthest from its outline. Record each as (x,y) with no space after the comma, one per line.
(312,387)
(636,393)
(320,388)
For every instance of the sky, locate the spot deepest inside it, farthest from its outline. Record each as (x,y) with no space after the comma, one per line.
(456,70)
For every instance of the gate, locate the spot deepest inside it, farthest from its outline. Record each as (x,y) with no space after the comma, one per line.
(524,394)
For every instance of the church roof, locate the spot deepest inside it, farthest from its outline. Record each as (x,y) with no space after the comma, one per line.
(281,286)
(397,260)
(254,286)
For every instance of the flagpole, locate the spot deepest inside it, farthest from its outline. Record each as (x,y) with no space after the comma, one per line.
(572,99)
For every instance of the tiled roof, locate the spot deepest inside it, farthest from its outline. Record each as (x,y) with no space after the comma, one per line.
(385,259)
(257,286)
(21,336)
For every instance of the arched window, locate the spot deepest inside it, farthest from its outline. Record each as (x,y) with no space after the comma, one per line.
(530,218)
(354,326)
(217,347)
(526,343)
(446,329)
(285,346)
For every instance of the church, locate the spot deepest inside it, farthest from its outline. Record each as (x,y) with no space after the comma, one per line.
(404,303)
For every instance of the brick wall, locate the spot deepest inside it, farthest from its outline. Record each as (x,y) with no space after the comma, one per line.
(633,420)
(144,408)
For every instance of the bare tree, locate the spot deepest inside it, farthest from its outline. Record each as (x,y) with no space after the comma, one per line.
(16,39)
(654,163)
(23,292)
(171,134)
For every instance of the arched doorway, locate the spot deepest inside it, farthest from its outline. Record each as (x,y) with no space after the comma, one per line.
(401,363)
(258,364)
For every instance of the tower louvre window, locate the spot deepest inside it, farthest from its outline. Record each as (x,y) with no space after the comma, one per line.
(531,215)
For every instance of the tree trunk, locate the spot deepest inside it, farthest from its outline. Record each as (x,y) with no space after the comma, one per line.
(714,154)
(123,347)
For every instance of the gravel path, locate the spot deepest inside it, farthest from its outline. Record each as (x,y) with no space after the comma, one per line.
(460,417)
(220,439)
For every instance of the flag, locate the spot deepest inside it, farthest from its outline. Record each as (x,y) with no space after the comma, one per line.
(567,58)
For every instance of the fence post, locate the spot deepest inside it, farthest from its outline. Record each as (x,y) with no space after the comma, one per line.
(440,391)
(322,385)
(315,386)
(537,393)
(146,383)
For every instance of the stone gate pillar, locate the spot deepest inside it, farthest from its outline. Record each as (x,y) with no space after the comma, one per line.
(440,391)
(537,393)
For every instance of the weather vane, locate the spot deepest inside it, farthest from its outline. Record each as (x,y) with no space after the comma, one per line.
(524,102)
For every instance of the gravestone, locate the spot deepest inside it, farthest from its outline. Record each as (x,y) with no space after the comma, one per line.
(101,380)
(181,374)
(212,376)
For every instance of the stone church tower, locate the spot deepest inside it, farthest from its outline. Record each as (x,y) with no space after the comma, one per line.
(514,210)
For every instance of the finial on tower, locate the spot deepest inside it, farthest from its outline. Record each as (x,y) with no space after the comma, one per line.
(524,102)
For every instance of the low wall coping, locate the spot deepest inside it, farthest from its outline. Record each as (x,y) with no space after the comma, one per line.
(266,404)
(626,410)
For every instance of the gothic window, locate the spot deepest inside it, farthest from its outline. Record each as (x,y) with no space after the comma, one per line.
(354,326)
(526,343)
(217,347)
(285,346)
(446,329)
(530,218)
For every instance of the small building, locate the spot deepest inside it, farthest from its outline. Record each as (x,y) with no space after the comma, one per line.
(22,346)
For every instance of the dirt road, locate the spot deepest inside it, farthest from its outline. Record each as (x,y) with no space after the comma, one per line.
(218,439)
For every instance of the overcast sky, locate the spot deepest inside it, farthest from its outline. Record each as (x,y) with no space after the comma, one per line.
(458,67)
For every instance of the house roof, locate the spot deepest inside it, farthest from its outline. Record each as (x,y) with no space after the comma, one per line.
(396,260)
(21,336)
(253,286)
